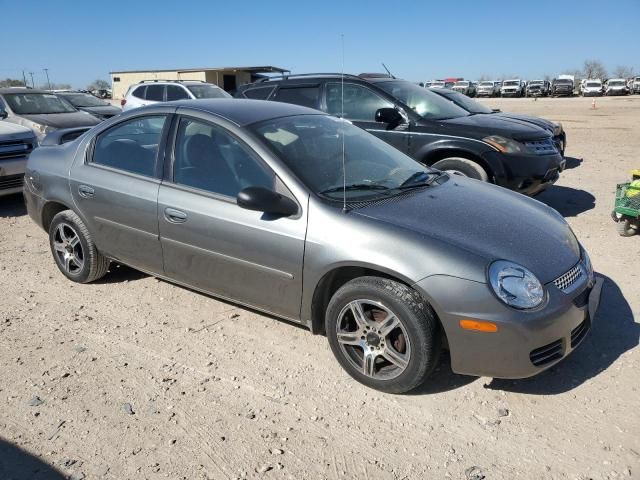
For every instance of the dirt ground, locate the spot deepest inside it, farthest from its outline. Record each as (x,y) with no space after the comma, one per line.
(135,378)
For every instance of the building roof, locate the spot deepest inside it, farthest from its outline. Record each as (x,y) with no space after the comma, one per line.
(255,69)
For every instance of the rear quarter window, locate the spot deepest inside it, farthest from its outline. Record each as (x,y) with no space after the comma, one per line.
(260,93)
(139,92)
(304,96)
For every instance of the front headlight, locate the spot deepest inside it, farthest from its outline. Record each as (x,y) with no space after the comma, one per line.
(515,285)
(40,130)
(557,129)
(586,262)
(505,145)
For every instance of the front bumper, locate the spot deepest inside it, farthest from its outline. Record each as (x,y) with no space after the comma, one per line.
(596,93)
(526,342)
(527,174)
(614,93)
(12,175)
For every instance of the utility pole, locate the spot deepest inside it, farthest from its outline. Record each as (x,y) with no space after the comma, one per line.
(32,84)
(24,78)
(46,71)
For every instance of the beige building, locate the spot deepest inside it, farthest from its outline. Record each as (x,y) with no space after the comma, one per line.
(228,78)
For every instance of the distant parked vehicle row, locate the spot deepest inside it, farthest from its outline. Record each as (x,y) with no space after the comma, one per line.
(489,88)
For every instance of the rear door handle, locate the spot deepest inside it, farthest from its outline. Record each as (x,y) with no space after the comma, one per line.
(175,216)
(85,191)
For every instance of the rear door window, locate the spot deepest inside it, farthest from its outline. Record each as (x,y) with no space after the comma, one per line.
(360,103)
(305,96)
(131,146)
(155,93)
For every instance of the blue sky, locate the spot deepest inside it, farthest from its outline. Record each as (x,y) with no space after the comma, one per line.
(419,40)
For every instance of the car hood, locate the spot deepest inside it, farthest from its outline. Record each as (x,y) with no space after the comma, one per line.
(63,120)
(106,110)
(11,131)
(488,221)
(540,122)
(481,125)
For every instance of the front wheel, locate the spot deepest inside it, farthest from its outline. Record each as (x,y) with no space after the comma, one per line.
(73,249)
(462,167)
(383,334)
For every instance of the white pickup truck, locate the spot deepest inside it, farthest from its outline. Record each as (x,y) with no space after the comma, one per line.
(16,142)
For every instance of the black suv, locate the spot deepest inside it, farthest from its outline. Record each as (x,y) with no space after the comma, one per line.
(429,128)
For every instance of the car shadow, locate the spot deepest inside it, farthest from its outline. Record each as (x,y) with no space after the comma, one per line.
(443,379)
(16,464)
(12,206)
(121,273)
(572,162)
(614,332)
(568,201)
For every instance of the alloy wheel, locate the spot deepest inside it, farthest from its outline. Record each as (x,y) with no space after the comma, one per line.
(373,339)
(68,248)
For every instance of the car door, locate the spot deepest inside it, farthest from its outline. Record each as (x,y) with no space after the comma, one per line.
(115,188)
(212,244)
(360,106)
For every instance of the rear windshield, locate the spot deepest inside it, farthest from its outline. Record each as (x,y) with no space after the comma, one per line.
(207,91)
(37,103)
(84,100)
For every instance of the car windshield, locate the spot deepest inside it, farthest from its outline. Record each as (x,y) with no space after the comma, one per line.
(594,84)
(207,91)
(312,145)
(84,100)
(485,84)
(536,82)
(563,81)
(424,102)
(616,84)
(465,102)
(37,103)
(462,84)
(511,83)
(437,84)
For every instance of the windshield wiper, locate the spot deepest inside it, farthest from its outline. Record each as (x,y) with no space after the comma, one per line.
(355,186)
(414,182)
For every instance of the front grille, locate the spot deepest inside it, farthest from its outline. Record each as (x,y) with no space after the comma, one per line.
(548,353)
(578,333)
(11,181)
(542,147)
(13,149)
(564,281)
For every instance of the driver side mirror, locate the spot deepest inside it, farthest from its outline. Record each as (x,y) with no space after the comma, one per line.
(3,113)
(391,116)
(264,200)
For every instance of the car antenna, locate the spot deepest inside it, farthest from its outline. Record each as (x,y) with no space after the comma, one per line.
(388,72)
(344,168)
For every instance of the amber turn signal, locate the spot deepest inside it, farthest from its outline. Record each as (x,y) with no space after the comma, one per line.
(478,326)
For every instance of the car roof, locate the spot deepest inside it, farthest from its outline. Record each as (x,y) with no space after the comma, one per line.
(240,111)
(23,90)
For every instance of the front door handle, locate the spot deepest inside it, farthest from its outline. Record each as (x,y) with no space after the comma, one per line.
(175,216)
(85,191)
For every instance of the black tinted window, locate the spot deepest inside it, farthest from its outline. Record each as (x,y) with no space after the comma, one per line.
(258,93)
(155,93)
(175,92)
(305,96)
(131,146)
(360,103)
(209,158)
(139,92)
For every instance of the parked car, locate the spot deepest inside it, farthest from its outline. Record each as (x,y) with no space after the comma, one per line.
(42,111)
(488,89)
(512,88)
(88,103)
(465,87)
(16,142)
(592,88)
(537,88)
(427,127)
(476,108)
(149,92)
(101,93)
(400,259)
(616,86)
(438,84)
(562,87)
(634,88)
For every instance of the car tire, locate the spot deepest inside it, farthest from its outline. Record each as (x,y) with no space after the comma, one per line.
(624,228)
(463,167)
(73,249)
(413,344)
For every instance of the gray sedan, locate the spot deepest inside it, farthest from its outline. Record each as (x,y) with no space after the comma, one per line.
(392,261)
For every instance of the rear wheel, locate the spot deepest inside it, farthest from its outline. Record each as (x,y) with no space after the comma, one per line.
(383,334)
(624,228)
(462,167)
(73,249)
